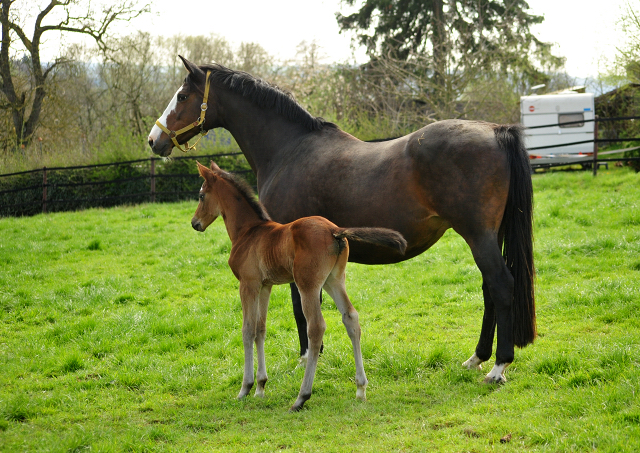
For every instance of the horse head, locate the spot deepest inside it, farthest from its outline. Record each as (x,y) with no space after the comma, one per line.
(190,112)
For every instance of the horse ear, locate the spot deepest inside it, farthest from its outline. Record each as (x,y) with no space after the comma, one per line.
(214,167)
(197,73)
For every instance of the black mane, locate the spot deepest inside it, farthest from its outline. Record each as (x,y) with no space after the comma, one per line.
(247,193)
(264,95)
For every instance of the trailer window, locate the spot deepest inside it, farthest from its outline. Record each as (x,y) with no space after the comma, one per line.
(570,118)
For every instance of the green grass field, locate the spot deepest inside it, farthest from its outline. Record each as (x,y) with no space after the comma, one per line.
(120,331)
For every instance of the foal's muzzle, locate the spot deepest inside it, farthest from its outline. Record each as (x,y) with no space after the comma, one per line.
(196,224)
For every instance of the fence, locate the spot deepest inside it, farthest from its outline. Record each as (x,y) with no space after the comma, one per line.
(585,160)
(104,185)
(154,179)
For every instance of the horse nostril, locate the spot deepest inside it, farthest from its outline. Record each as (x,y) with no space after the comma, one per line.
(150,142)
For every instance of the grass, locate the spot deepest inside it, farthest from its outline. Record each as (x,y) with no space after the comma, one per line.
(120,331)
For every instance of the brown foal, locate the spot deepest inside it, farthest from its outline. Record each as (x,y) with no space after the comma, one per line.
(311,251)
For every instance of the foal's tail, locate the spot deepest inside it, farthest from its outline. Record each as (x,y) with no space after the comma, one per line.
(517,231)
(377,236)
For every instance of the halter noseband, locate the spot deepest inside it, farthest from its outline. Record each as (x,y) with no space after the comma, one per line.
(200,122)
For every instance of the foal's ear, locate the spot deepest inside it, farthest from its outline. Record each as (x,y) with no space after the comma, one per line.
(204,171)
(214,167)
(196,73)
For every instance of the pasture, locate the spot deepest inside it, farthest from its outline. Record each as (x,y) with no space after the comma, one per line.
(120,331)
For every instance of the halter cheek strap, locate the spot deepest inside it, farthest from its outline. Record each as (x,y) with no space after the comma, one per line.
(200,122)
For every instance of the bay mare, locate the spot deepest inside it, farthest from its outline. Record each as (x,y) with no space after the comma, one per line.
(472,176)
(311,251)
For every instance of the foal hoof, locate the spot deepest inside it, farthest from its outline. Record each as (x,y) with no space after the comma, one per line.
(299,402)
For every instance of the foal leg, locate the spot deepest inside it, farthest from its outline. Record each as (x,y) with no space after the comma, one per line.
(499,292)
(249,295)
(316,327)
(335,286)
(261,375)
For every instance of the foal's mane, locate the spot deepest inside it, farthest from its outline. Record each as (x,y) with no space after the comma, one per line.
(247,193)
(264,95)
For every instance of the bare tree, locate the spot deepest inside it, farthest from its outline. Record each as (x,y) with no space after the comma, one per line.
(69,16)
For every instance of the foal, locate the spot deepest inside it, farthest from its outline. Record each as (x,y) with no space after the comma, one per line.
(311,251)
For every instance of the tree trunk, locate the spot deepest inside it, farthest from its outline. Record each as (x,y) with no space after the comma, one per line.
(438,42)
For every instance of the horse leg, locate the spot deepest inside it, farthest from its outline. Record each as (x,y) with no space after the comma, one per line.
(315,331)
(249,296)
(301,321)
(498,305)
(336,288)
(485,344)
(261,374)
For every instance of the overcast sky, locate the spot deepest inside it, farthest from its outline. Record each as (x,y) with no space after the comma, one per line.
(584,31)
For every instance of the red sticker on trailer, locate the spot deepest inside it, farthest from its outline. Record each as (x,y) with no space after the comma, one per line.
(531,108)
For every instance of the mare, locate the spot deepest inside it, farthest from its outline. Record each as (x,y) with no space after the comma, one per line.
(474,177)
(311,251)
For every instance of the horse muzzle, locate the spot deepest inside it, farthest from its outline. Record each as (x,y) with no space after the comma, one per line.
(160,147)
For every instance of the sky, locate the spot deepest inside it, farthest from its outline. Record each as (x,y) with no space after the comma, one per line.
(583,31)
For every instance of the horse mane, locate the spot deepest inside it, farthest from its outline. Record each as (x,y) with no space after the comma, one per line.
(264,95)
(247,193)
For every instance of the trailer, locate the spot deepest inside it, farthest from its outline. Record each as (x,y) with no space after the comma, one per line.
(568,116)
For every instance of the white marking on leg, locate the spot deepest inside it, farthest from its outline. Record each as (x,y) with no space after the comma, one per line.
(474,363)
(496,375)
(302,362)
(155,130)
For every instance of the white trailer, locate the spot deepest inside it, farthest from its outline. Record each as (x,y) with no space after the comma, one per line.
(559,109)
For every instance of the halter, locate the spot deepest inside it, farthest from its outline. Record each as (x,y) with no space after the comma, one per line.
(200,122)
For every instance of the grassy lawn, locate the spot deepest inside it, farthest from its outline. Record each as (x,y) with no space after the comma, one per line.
(120,331)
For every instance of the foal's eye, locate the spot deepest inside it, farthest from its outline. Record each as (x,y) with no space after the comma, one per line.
(182,97)
(201,196)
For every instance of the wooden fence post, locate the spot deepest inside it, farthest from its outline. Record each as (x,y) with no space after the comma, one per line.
(44,190)
(153,180)
(595,146)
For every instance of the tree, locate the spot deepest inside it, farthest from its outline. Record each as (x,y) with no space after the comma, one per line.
(439,53)
(63,16)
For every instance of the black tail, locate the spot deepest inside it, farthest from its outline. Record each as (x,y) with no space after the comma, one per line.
(517,231)
(377,236)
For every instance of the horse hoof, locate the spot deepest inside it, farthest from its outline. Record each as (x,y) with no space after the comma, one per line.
(495,379)
(496,375)
(361,394)
(474,363)
(302,361)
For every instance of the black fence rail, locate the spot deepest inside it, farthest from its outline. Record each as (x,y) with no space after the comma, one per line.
(52,189)
(592,160)
(157,180)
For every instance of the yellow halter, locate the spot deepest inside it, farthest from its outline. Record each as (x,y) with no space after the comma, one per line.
(203,109)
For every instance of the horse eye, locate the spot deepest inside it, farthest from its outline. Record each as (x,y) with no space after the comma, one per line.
(182,97)
(201,196)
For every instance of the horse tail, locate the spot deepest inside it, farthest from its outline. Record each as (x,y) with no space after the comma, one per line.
(516,232)
(377,236)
